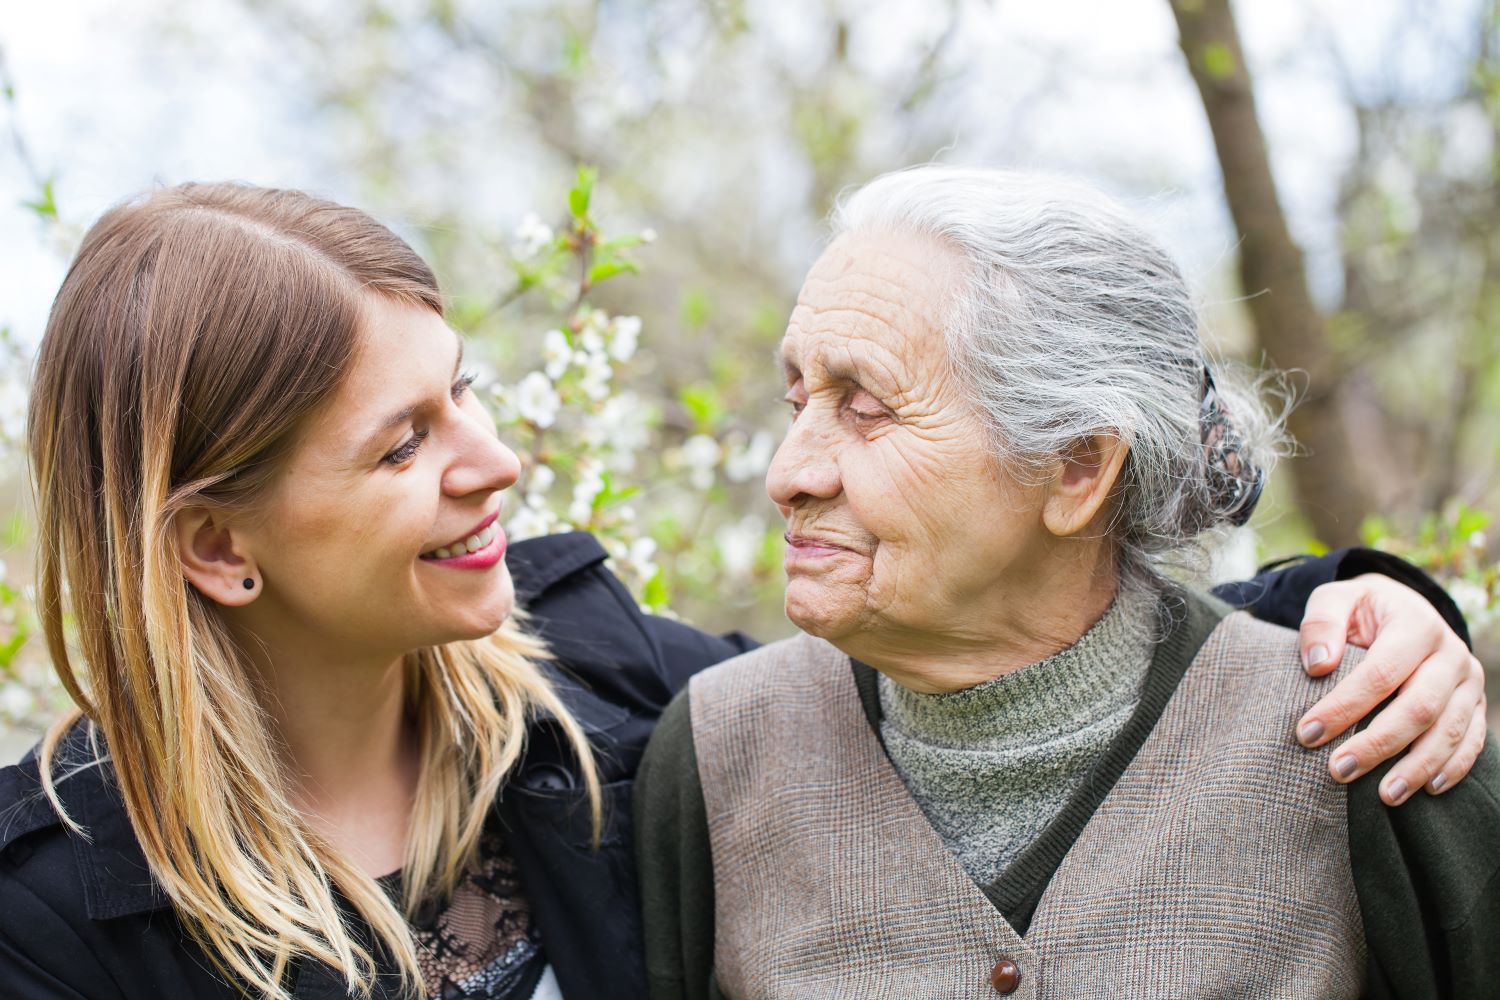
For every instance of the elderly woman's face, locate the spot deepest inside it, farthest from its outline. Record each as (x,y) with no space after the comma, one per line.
(899,520)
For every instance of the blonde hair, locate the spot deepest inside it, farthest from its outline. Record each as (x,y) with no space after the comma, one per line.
(196,331)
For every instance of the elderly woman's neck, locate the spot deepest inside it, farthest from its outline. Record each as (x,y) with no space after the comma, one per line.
(1015,626)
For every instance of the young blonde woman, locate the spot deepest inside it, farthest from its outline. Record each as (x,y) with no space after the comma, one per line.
(315,751)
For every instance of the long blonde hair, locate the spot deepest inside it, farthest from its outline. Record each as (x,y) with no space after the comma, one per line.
(196,331)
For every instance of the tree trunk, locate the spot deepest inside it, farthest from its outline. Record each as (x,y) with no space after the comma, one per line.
(1288,326)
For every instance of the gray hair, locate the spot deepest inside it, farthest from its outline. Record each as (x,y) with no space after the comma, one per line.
(1069,321)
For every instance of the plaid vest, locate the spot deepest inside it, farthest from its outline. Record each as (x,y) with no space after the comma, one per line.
(1217,866)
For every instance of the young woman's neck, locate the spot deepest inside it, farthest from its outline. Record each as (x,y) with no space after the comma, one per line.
(351,746)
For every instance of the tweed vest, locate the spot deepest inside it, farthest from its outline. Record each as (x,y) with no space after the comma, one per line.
(1217,866)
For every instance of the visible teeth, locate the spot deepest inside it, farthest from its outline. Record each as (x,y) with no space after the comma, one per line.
(473,543)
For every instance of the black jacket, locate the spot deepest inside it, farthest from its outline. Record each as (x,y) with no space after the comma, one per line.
(81,918)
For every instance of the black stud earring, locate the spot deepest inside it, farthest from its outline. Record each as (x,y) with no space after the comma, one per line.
(249,583)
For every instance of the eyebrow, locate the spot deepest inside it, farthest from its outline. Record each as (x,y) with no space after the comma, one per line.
(838,371)
(784,363)
(404,414)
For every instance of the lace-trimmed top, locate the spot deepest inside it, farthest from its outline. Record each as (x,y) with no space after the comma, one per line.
(483,944)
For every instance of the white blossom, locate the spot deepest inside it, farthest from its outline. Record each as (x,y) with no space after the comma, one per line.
(626,337)
(529,522)
(648,235)
(591,339)
(540,479)
(738,545)
(750,461)
(700,453)
(641,560)
(597,372)
(537,400)
(586,489)
(623,426)
(531,236)
(16,700)
(1477,541)
(505,405)
(556,353)
(1473,601)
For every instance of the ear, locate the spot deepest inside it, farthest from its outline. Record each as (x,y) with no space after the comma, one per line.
(214,559)
(1085,475)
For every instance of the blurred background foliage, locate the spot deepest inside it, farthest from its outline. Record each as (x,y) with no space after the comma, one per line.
(621,197)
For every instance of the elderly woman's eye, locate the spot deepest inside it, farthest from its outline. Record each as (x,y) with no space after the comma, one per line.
(797,396)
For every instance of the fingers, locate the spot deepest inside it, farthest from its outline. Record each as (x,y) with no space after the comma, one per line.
(1456,767)
(1432,751)
(1325,625)
(1395,656)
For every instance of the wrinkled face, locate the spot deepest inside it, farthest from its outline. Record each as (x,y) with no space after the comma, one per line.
(401,462)
(899,520)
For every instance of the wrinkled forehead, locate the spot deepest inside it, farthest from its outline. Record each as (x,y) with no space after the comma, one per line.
(873,300)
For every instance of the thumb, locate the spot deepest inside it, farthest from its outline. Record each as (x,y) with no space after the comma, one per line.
(1325,625)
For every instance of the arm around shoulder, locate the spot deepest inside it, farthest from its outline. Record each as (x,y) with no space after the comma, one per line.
(1428,878)
(675,864)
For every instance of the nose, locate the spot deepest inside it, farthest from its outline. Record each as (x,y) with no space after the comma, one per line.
(805,467)
(480,462)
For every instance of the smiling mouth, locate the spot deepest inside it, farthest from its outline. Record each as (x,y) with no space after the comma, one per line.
(814,546)
(480,538)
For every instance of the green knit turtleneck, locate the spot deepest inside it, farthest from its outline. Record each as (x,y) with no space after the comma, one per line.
(992,765)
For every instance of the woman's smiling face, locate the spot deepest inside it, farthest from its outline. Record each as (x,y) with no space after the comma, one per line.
(400,466)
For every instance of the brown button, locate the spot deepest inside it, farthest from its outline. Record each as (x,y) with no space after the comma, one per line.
(1005,976)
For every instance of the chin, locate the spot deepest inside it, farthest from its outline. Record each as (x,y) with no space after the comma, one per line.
(484,615)
(815,610)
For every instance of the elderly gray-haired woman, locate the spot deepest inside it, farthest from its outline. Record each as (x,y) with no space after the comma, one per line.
(1008,754)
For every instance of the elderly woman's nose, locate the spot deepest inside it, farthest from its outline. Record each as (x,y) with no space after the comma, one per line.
(481,461)
(804,467)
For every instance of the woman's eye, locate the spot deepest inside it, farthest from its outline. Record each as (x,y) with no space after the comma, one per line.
(462,385)
(867,414)
(408,450)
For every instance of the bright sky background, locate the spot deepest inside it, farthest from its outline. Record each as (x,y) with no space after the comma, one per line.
(117,110)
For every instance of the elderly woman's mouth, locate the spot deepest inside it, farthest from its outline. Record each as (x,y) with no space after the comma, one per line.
(799,547)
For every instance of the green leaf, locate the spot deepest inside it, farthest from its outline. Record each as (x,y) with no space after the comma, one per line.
(605,269)
(46,205)
(612,497)
(575,54)
(1469,521)
(582,193)
(16,531)
(697,307)
(620,243)
(654,595)
(1218,61)
(1374,530)
(704,405)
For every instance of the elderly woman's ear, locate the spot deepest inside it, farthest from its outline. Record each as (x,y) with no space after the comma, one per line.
(1082,481)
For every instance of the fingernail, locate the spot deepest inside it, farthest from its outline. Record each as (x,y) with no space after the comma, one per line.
(1317,655)
(1438,782)
(1346,765)
(1311,731)
(1395,792)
